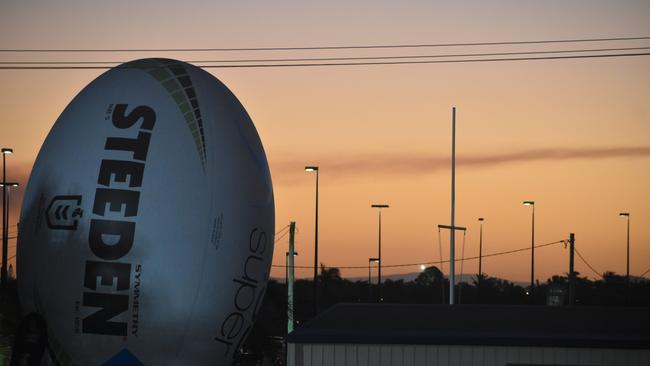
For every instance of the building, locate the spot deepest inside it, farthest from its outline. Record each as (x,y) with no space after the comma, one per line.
(476,335)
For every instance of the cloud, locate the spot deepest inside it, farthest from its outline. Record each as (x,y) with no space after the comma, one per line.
(287,169)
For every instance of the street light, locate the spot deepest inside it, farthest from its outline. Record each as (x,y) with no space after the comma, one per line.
(480,247)
(370,261)
(5,213)
(532,250)
(627,215)
(5,226)
(480,258)
(313,168)
(379,207)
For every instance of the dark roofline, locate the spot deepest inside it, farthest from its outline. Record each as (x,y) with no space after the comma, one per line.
(493,325)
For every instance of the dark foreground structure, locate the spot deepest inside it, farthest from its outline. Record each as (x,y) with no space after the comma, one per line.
(397,334)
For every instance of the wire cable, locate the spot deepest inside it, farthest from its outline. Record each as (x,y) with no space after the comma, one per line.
(434,262)
(280,237)
(587,263)
(369,63)
(311,48)
(644,273)
(282,229)
(314,59)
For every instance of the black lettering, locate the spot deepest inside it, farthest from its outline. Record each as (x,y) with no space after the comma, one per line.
(116,198)
(111,305)
(246,276)
(258,303)
(227,343)
(247,299)
(121,169)
(123,231)
(261,241)
(121,121)
(243,337)
(139,146)
(107,272)
(233,324)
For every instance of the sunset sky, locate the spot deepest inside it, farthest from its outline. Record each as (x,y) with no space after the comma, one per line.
(572,135)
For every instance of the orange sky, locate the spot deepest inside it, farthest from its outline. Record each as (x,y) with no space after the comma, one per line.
(573,135)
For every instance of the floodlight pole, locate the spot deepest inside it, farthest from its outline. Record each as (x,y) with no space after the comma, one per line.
(452,276)
(627,265)
(480,260)
(379,207)
(370,260)
(532,253)
(5,216)
(452,244)
(572,275)
(314,168)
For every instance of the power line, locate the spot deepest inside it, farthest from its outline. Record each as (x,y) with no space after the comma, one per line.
(282,229)
(644,273)
(281,236)
(434,262)
(587,263)
(314,59)
(312,48)
(321,64)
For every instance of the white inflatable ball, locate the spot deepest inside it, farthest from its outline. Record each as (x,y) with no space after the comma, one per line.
(146,233)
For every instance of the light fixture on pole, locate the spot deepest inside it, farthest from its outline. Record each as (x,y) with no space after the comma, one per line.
(627,267)
(313,168)
(532,251)
(5,213)
(480,258)
(5,225)
(370,261)
(379,207)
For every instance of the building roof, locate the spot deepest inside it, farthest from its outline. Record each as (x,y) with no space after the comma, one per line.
(497,325)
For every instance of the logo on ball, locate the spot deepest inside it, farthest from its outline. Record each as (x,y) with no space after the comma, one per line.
(64,213)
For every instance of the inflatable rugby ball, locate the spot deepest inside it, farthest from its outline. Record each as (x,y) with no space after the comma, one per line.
(146,232)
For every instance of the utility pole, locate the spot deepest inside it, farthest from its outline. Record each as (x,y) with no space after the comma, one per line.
(452,244)
(290,277)
(572,275)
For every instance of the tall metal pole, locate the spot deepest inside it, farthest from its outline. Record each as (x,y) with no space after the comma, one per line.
(316,252)
(291,277)
(627,273)
(452,245)
(532,261)
(379,263)
(369,283)
(379,207)
(480,261)
(627,265)
(313,168)
(572,277)
(5,210)
(480,249)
